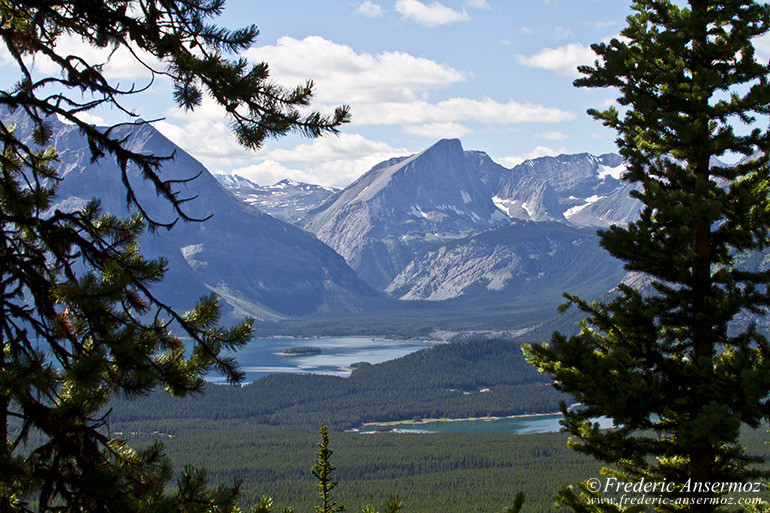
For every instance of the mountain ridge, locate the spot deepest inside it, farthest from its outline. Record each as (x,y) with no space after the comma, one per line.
(259,265)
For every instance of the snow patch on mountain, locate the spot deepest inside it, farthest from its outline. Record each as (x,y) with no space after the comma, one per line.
(231,181)
(510,208)
(190,252)
(614,172)
(588,201)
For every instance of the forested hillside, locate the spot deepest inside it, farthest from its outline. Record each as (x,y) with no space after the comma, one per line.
(444,381)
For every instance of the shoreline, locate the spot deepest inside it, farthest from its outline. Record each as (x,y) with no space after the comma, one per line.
(469,419)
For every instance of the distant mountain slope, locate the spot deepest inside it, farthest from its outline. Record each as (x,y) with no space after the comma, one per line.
(580,189)
(519,259)
(422,227)
(404,205)
(286,200)
(259,265)
(234,181)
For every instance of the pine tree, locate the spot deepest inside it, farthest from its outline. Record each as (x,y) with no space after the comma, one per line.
(79,322)
(675,362)
(322,470)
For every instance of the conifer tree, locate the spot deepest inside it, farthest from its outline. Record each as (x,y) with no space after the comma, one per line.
(322,470)
(79,322)
(676,363)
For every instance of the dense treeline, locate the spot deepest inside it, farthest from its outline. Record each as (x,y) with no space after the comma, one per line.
(449,472)
(231,431)
(463,379)
(437,472)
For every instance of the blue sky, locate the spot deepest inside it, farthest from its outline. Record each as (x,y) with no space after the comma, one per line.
(495,74)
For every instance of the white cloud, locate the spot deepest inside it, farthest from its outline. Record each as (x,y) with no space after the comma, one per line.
(478,4)
(5,56)
(553,135)
(208,110)
(606,104)
(331,148)
(341,75)
(563,60)
(458,109)
(208,140)
(267,172)
(118,64)
(87,118)
(437,130)
(205,134)
(390,88)
(370,9)
(331,161)
(433,15)
(540,151)
(762,45)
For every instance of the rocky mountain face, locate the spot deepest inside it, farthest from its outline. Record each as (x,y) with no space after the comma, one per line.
(581,189)
(412,225)
(287,200)
(523,258)
(234,182)
(402,206)
(259,265)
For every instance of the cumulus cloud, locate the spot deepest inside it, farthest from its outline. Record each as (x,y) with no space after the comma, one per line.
(342,75)
(762,45)
(458,109)
(330,161)
(370,9)
(268,172)
(86,117)
(389,88)
(327,149)
(606,104)
(433,15)
(208,140)
(540,151)
(437,130)
(5,56)
(205,136)
(118,64)
(563,60)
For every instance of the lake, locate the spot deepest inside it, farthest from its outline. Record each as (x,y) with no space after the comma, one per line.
(258,358)
(521,425)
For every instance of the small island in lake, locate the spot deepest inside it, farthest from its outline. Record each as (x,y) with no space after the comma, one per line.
(300,351)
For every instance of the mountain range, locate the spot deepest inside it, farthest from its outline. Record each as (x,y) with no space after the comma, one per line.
(442,230)
(287,200)
(447,223)
(259,265)
(385,222)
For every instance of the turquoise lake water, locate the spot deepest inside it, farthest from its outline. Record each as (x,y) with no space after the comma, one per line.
(258,358)
(517,425)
